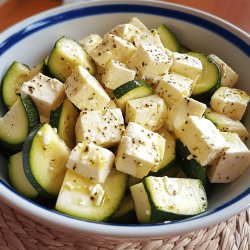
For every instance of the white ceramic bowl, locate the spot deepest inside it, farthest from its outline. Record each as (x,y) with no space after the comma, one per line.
(32,39)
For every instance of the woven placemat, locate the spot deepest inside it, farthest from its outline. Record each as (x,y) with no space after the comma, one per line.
(19,232)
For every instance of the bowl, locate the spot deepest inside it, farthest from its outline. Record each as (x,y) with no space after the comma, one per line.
(33,38)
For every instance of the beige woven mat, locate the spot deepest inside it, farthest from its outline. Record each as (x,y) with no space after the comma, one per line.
(20,232)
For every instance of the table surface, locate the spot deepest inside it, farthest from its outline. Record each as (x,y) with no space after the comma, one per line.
(236,12)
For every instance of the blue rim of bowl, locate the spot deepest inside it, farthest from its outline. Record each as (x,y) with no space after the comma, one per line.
(122,8)
(126,8)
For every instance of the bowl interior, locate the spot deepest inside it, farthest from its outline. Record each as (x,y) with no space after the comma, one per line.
(31,41)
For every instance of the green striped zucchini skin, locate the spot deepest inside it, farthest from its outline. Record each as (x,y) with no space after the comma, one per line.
(44,163)
(209,81)
(168,38)
(158,214)
(13,78)
(26,117)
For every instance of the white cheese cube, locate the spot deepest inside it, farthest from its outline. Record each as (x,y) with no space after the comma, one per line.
(138,24)
(126,31)
(47,93)
(117,73)
(151,37)
(186,65)
(90,42)
(140,150)
(228,76)
(99,72)
(112,47)
(173,87)
(233,163)
(203,139)
(230,102)
(178,113)
(104,128)
(149,112)
(84,91)
(91,161)
(150,60)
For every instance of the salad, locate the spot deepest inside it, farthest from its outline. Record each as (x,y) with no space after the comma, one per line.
(130,127)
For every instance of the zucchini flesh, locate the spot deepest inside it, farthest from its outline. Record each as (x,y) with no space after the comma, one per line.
(131,90)
(168,38)
(65,56)
(18,178)
(191,167)
(226,124)
(17,123)
(14,77)
(64,119)
(75,196)
(208,81)
(174,198)
(44,159)
(141,202)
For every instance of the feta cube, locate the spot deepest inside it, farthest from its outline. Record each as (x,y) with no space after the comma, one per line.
(91,161)
(90,42)
(47,93)
(228,76)
(230,102)
(203,139)
(138,24)
(150,60)
(112,47)
(178,113)
(104,128)
(117,73)
(140,150)
(151,37)
(126,31)
(99,72)
(233,163)
(186,65)
(173,87)
(149,112)
(84,91)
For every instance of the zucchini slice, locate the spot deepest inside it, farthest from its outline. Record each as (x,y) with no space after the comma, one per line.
(45,68)
(226,124)
(14,77)
(83,198)
(65,56)
(168,38)
(208,81)
(44,159)
(131,90)
(64,120)
(166,199)
(17,123)
(125,214)
(184,49)
(191,167)
(18,178)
